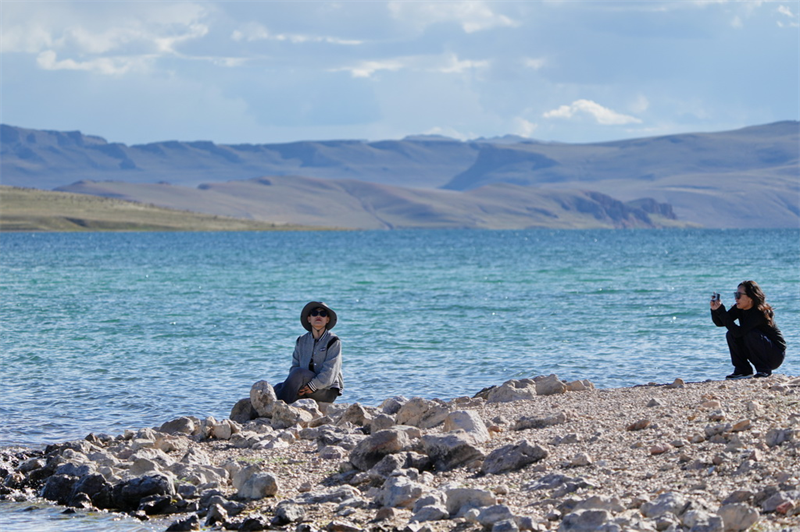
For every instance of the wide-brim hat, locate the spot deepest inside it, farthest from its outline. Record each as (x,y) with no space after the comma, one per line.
(311,305)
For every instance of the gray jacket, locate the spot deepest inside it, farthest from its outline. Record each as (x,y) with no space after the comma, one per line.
(327,361)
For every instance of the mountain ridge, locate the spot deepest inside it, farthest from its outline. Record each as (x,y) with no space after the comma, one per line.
(749,177)
(298,200)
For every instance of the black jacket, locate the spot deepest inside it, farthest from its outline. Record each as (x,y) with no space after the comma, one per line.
(748,320)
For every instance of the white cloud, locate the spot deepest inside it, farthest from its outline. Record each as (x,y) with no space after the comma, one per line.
(639,105)
(602,115)
(795,19)
(256,32)
(114,66)
(448,64)
(453,65)
(471,16)
(33,28)
(365,69)
(535,64)
(524,128)
(30,39)
(106,41)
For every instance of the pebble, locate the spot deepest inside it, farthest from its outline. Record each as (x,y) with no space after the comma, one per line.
(660,448)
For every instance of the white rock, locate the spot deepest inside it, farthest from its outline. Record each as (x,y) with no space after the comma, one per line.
(460,500)
(507,393)
(550,385)
(400,492)
(430,513)
(581,460)
(738,516)
(468,421)
(490,515)
(669,502)
(262,397)
(421,413)
(284,416)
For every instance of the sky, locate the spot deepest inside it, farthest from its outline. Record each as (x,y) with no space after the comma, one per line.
(280,71)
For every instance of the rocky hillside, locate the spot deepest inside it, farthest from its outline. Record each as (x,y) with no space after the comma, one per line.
(734,179)
(360,205)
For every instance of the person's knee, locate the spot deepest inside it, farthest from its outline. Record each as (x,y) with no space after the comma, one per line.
(756,341)
(300,375)
(730,338)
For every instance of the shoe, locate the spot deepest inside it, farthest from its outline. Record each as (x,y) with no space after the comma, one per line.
(733,376)
(762,374)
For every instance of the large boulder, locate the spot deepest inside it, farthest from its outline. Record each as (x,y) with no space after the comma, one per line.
(666,503)
(243,411)
(258,486)
(448,451)
(262,398)
(253,483)
(422,413)
(550,385)
(284,416)
(401,492)
(58,488)
(181,425)
(357,415)
(460,500)
(127,495)
(738,516)
(508,392)
(587,521)
(96,488)
(372,449)
(403,460)
(513,457)
(392,405)
(468,421)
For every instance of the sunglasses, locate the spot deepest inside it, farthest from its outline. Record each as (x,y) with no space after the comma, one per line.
(737,295)
(319,312)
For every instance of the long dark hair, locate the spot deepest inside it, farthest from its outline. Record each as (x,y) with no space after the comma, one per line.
(754,292)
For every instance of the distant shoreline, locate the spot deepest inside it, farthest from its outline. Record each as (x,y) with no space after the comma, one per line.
(34,210)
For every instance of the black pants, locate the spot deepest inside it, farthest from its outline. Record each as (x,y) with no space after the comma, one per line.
(287,390)
(756,349)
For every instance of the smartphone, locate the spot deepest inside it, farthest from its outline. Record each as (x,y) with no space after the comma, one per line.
(714,296)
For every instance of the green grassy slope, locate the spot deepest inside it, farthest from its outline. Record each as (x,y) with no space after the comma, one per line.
(23,209)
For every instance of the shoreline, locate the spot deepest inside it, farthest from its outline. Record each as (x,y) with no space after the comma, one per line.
(530,454)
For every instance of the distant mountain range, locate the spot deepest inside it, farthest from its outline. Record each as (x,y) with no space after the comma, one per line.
(735,179)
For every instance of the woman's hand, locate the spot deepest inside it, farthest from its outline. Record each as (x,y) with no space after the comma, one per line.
(715,304)
(305,390)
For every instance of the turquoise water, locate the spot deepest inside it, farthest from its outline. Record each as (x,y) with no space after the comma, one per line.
(101,332)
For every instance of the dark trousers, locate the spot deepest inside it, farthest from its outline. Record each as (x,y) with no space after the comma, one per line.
(287,390)
(756,349)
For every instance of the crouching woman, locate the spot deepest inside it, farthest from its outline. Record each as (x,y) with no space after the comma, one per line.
(316,371)
(756,340)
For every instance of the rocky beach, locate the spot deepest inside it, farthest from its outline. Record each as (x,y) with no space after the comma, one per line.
(532,454)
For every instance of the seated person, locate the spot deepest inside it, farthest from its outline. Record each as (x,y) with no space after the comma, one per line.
(316,371)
